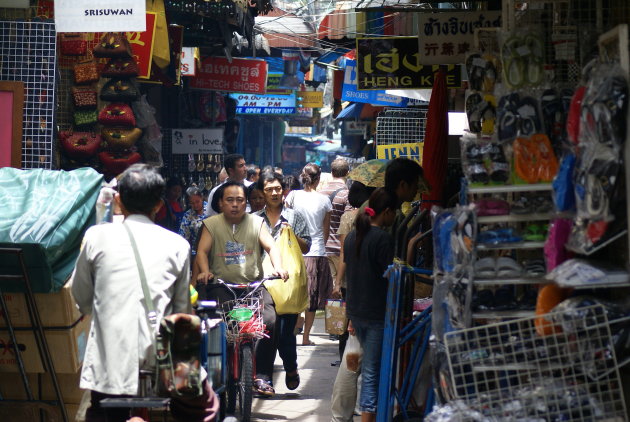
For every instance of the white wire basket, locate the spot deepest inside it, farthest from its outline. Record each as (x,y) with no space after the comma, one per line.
(400,126)
(509,372)
(243,318)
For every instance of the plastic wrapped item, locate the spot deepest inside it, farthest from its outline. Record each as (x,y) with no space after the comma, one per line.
(582,273)
(105,202)
(555,250)
(534,159)
(484,161)
(353,354)
(563,188)
(151,143)
(456,410)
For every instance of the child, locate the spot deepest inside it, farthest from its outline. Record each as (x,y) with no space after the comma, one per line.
(368,251)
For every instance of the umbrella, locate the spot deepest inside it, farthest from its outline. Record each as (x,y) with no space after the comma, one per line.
(435,155)
(371,173)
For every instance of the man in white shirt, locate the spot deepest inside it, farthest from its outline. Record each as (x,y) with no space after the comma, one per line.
(237,172)
(106,284)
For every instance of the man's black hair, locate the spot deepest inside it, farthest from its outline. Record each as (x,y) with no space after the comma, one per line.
(401,169)
(251,170)
(231,159)
(359,193)
(218,194)
(251,188)
(269,176)
(141,188)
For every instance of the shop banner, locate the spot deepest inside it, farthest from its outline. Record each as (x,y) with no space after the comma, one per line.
(142,46)
(264,104)
(100,15)
(273,85)
(395,63)
(412,151)
(299,131)
(242,75)
(197,141)
(378,98)
(446,38)
(310,99)
(187,64)
(352,127)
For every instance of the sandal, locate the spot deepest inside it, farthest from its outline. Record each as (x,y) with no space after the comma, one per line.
(485,268)
(263,388)
(292,381)
(508,268)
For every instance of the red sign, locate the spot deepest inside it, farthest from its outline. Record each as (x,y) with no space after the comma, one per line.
(242,75)
(142,46)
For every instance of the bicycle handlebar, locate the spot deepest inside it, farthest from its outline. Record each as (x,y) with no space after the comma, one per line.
(251,287)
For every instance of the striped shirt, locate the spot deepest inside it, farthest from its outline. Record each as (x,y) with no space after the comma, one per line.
(339,206)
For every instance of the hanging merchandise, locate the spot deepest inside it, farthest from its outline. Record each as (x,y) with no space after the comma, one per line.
(484,161)
(113,44)
(481,112)
(85,72)
(522,57)
(117,114)
(555,250)
(120,90)
(563,188)
(84,97)
(73,44)
(120,68)
(83,118)
(116,163)
(534,160)
(483,71)
(119,138)
(80,145)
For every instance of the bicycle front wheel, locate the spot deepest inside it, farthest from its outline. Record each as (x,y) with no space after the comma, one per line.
(246,381)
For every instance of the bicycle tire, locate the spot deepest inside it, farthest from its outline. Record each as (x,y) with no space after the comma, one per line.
(247,381)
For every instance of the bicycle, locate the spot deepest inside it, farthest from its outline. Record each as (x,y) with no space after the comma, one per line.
(244,325)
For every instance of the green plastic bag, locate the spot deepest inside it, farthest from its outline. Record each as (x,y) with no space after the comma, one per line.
(50,208)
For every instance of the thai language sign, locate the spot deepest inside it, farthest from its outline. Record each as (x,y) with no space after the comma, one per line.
(242,75)
(446,38)
(197,141)
(100,15)
(264,104)
(377,97)
(394,63)
(412,151)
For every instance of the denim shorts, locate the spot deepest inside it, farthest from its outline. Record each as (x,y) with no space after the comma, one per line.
(370,335)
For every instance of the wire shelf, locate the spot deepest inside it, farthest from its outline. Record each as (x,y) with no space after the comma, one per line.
(508,371)
(401,126)
(27,54)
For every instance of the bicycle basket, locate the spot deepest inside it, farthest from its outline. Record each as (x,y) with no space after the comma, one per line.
(243,318)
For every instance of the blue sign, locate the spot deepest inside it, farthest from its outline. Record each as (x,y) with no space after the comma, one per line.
(265,104)
(379,98)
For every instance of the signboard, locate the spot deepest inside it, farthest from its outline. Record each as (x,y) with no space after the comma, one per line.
(378,98)
(264,104)
(273,85)
(100,15)
(242,75)
(352,127)
(310,99)
(299,130)
(411,151)
(187,65)
(446,38)
(395,63)
(142,46)
(197,141)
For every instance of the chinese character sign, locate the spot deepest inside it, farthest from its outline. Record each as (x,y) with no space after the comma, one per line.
(395,63)
(446,38)
(242,75)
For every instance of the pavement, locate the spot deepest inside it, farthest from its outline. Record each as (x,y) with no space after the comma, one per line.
(310,402)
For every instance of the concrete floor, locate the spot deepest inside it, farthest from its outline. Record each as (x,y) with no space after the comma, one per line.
(311,401)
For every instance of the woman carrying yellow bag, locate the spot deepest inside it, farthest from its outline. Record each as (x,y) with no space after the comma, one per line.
(289,229)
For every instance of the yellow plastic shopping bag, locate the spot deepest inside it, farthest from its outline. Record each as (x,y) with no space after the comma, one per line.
(291,296)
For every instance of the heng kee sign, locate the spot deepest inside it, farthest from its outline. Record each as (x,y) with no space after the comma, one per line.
(242,75)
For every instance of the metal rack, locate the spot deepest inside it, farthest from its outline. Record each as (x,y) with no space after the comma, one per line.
(401,126)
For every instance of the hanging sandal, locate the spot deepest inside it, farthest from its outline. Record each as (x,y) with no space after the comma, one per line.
(292,381)
(263,388)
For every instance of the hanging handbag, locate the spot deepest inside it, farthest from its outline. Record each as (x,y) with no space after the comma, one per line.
(73,44)
(117,114)
(120,90)
(116,163)
(120,68)
(84,97)
(176,343)
(85,117)
(79,145)
(120,138)
(85,72)
(113,44)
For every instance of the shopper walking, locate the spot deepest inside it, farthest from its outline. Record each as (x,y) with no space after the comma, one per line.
(236,172)
(171,212)
(192,219)
(106,284)
(368,251)
(316,208)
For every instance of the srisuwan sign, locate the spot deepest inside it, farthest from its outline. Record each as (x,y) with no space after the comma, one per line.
(242,75)
(394,63)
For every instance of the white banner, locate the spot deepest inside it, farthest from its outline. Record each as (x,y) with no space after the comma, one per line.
(197,141)
(188,61)
(100,15)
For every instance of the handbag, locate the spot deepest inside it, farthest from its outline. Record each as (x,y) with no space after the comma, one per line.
(113,44)
(80,145)
(85,72)
(84,97)
(120,138)
(120,91)
(117,114)
(85,117)
(120,68)
(336,322)
(290,296)
(73,44)
(176,343)
(116,163)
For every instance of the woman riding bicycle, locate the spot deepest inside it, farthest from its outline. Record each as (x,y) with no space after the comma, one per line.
(230,248)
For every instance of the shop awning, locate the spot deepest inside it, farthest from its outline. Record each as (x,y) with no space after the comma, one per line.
(357,111)
(285,30)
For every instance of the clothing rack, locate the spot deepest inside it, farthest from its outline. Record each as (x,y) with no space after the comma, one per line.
(8,283)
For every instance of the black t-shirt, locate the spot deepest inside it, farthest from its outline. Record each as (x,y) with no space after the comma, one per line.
(366,287)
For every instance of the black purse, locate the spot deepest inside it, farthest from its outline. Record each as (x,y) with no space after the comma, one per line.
(120,91)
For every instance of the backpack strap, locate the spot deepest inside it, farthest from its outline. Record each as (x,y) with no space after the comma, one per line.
(334,194)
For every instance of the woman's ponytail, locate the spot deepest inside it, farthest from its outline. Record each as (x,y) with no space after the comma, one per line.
(380,201)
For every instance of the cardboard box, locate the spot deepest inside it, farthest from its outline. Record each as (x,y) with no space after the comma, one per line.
(336,321)
(66,346)
(12,388)
(55,309)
